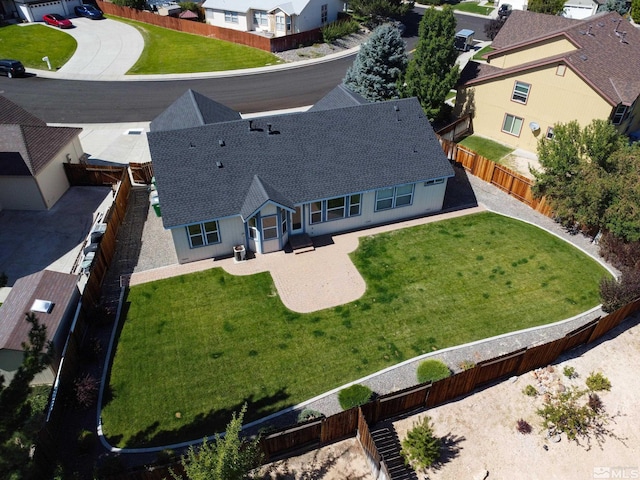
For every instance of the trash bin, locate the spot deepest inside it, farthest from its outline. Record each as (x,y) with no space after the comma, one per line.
(155,203)
(239,253)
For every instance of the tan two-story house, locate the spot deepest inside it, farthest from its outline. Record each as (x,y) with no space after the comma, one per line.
(548,69)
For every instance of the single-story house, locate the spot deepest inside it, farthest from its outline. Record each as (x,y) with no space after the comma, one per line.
(257,183)
(32,155)
(272,18)
(547,69)
(33,10)
(53,297)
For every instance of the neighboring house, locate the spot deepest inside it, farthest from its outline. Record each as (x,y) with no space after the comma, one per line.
(53,297)
(546,70)
(576,9)
(258,183)
(272,18)
(32,155)
(33,10)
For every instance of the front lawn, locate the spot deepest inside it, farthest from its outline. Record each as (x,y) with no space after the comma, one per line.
(194,348)
(487,148)
(472,7)
(29,43)
(168,51)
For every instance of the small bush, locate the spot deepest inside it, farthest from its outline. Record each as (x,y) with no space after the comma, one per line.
(530,391)
(432,371)
(86,441)
(354,396)
(569,372)
(594,402)
(86,391)
(565,413)
(466,365)
(309,414)
(621,254)
(421,448)
(615,294)
(523,427)
(598,382)
(339,29)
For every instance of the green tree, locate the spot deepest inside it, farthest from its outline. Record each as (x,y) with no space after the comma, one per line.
(380,63)
(373,9)
(226,458)
(635,11)
(137,4)
(421,448)
(432,71)
(619,6)
(550,7)
(17,432)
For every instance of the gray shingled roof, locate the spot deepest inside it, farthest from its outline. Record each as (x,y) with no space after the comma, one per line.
(192,109)
(604,58)
(13,114)
(339,97)
(56,287)
(308,156)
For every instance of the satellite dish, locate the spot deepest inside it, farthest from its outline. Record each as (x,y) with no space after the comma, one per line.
(534,126)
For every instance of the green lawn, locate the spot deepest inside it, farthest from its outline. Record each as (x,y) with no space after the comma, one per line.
(472,7)
(195,348)
(29,43)
(487,148)
(487,49)
(168,51)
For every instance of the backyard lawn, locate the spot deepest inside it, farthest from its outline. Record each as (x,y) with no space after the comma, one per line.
(29,43)
(168,51)
(487,148)
(194,348)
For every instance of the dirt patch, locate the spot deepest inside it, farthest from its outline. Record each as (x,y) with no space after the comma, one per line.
(483,440)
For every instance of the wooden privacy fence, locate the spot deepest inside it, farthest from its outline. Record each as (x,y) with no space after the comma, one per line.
(82,174)
(456,130)
(141,172)
(366,441)
(251,39)
(513,183)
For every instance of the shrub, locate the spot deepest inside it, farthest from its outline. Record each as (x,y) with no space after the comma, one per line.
(594,402)
(466,365)
(621,254)
(569,372)
(86,391)
(309,414)
(339,29)
(432,371)
(635,11)
(530,391)
(354,396)
(86,441)
(598,382)
(421,448)
(615,294)
(523,427)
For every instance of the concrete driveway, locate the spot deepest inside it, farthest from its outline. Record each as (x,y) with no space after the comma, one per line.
(107,49)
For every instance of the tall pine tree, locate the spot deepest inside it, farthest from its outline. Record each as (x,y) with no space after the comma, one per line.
(381,61)
(432,71)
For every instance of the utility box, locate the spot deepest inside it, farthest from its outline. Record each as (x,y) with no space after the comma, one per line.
(464,40)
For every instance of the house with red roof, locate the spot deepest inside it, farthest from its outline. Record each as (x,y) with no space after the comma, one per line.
(547,69)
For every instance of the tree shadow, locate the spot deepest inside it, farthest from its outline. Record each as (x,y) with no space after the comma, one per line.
(450,450)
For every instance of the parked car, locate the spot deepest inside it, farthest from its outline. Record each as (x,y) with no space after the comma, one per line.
(56,20)
(504,11)
(88,11)
(12,68)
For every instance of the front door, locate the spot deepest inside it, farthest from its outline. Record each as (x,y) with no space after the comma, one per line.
(297,225)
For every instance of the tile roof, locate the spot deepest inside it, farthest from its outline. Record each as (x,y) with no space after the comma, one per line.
(307,156)
(56,287)
(607,54)
(192,109)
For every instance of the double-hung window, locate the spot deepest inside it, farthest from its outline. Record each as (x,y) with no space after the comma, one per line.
(394,197)
(355,204)
(335,208)
(619,114)
(280,23)
(253,227)
(270,227)
(324,13)
(316,212)
(521,92)
(260,18)
(231,17)
(512,124)
(201,234)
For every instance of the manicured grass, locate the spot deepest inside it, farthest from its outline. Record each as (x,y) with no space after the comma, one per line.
(482,51)
(29,43)
(487,148)
(167,51)
(472,7)
(195,348)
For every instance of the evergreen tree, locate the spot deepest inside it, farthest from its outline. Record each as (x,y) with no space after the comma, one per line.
(432,72)
(380,8)
(381,61)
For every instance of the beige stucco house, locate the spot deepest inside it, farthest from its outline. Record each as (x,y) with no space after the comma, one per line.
(547,69)
(32,155)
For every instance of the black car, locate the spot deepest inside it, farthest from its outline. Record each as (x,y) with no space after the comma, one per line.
(504,11)
(88,11)
(12,68)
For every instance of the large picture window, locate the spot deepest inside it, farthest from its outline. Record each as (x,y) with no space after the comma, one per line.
(202,234)
(335,208)
(394,197)
(521,92)
(512,124)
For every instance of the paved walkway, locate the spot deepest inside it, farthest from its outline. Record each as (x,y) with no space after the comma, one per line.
(306,282)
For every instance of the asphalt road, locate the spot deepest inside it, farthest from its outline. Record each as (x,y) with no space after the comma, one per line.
(64,101)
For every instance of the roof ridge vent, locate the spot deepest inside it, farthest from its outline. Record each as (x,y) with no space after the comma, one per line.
(221,143)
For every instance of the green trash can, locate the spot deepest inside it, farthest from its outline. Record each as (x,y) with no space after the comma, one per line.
(155,203)
(156,208)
